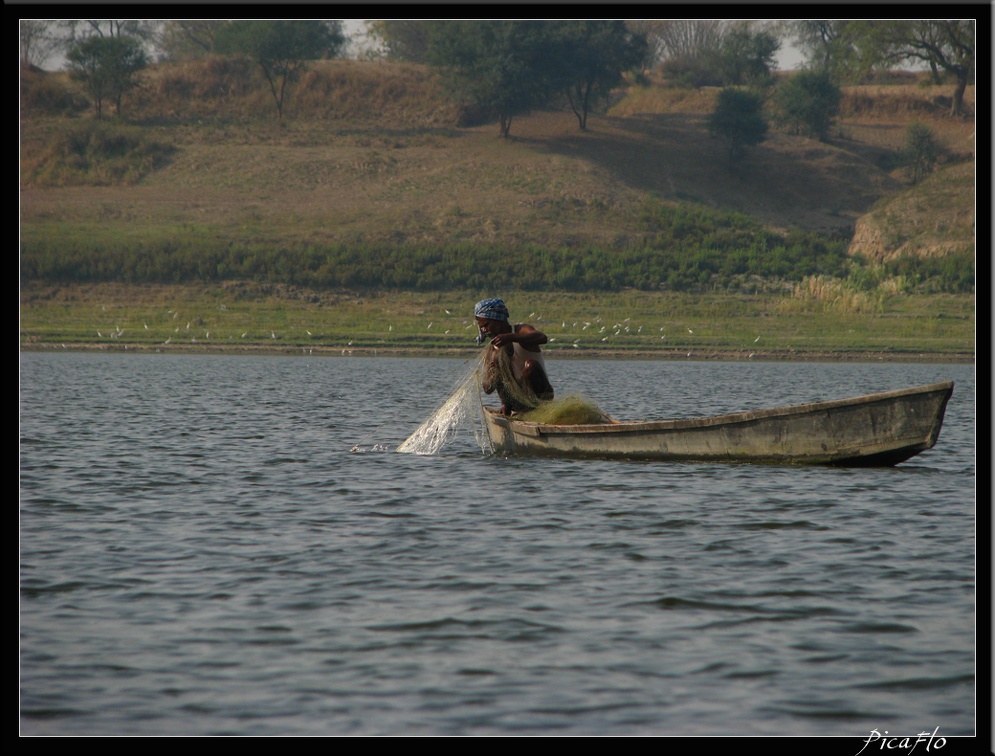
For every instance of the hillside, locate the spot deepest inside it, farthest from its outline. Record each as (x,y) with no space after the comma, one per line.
(369,151)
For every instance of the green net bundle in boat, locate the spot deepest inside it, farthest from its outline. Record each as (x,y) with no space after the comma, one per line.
(570,410)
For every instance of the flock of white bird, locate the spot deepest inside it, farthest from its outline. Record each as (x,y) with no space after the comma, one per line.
(604,332)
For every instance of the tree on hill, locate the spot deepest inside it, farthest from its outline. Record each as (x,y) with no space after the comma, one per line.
(947,45)
(830,47)
(185,39)
(746,56)
(107,66)
(700,52)
(738,119)
(504,67)
(403,39)
(593,57)
(807,102)
(282,49)
(848,50)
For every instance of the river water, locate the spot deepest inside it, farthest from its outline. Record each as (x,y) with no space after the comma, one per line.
(228,545)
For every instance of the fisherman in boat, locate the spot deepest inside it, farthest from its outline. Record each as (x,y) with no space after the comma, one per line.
(514,365)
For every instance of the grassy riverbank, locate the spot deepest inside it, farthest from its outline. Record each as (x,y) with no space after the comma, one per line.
(196,223)
(245,317)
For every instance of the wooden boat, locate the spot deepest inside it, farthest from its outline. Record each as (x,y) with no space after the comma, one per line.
(874,430)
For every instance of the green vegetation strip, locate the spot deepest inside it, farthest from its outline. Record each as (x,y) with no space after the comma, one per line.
(247,316)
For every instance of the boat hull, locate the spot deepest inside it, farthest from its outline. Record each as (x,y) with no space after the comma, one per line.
(881,429)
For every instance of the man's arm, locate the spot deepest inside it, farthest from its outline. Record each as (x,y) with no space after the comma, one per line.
(529,337)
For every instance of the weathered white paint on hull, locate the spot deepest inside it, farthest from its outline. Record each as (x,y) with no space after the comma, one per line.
(876,429)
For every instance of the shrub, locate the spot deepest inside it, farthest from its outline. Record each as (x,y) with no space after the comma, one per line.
(50,94)
(807,102)
(738,118)
(921,152)
(100,153)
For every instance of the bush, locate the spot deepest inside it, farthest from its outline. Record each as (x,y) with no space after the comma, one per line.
(738,118)
(691,73)
(921,152)
(99,153)
(50,95)
(807,103)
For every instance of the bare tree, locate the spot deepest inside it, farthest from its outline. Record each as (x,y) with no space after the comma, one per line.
(682,39)
(37,41)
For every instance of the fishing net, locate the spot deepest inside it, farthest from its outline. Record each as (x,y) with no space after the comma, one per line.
(570,410)
(516,396)
(462,409)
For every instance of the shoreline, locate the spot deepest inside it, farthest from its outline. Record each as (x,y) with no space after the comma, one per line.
(674,355)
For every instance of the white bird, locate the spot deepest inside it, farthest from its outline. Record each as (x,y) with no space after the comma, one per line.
(245,334)
(146,326)
(756,340)
(690,331)
(273,333)
(308,332)
(168,340)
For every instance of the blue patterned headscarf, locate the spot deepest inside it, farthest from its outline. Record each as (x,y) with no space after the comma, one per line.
(491,309)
